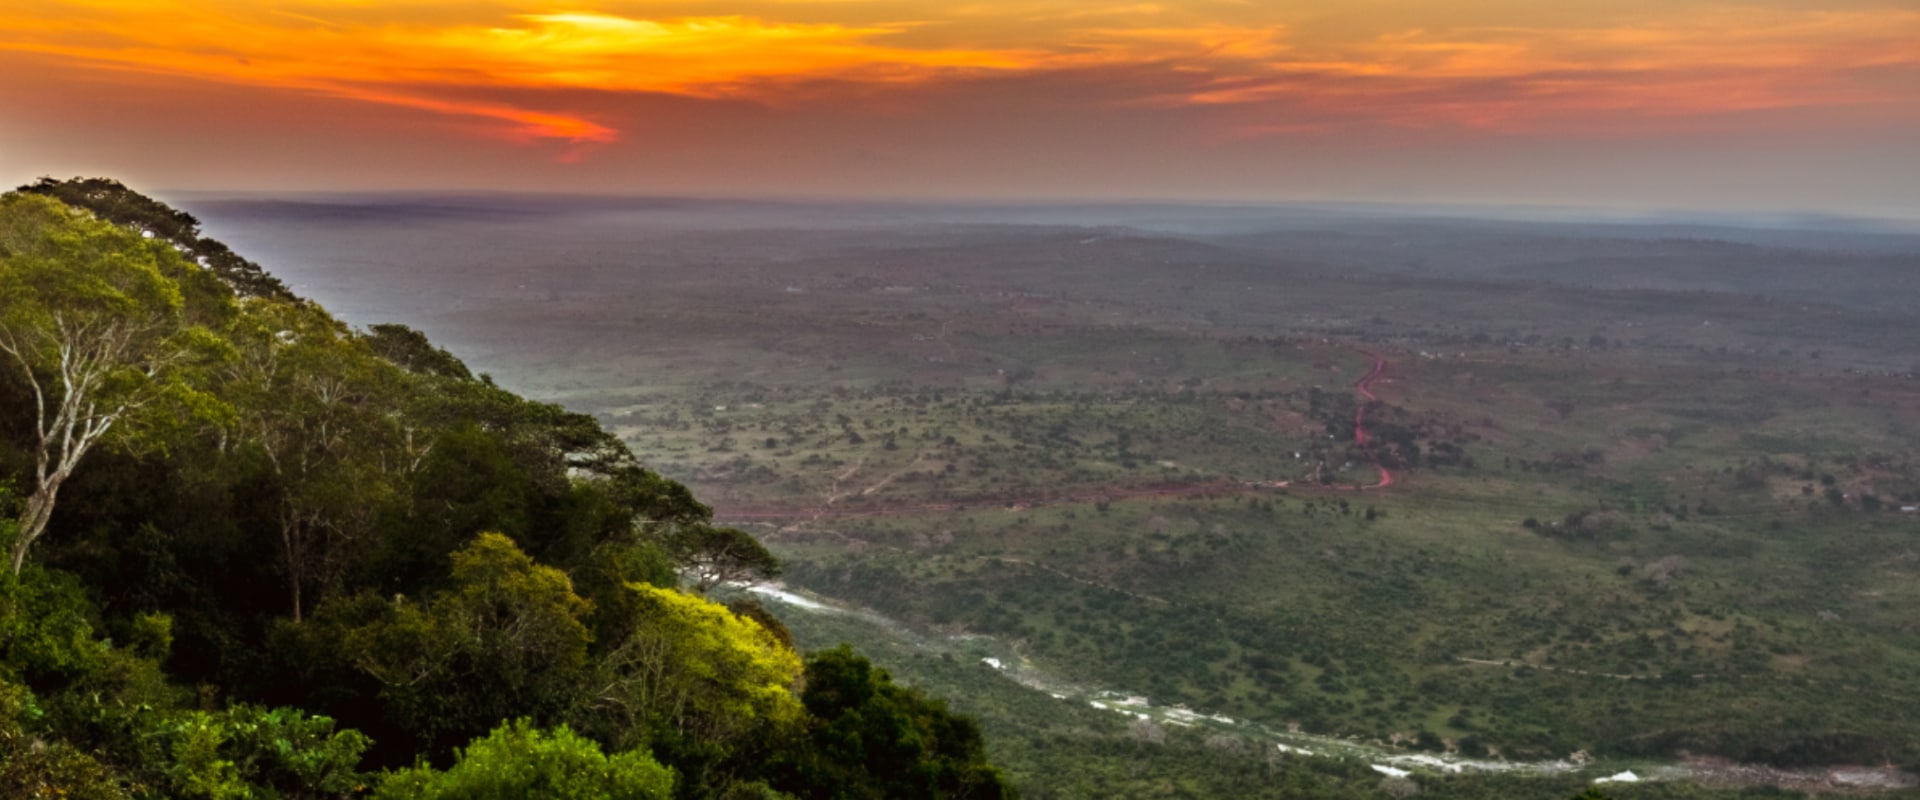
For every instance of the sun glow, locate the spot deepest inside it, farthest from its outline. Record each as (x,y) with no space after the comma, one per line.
(1280,66)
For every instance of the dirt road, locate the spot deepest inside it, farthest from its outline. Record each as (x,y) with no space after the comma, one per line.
(1365,387)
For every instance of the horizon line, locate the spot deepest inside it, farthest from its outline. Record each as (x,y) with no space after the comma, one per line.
(1880,222)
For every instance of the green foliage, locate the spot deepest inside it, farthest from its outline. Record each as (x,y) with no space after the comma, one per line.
(317,410)
(116,701)
(715,556)
(62,262)
(409,350)
(198,769)
(33,769)
(874,739)
(112,201)
(258,460)
(468,482)
(505,639)
(46,630)
(518,761)
(616,564)
(692,668)
(152,635)
(248,751)
(749,608)
(94,322)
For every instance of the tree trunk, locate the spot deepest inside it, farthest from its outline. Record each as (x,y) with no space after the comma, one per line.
(292,538)
(33,522)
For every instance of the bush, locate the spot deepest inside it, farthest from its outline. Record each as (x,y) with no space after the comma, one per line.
(46,632)
(33,769)
(518,761)
(872,738)
(237,752)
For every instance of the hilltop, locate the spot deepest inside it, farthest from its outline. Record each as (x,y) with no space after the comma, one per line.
(257,552)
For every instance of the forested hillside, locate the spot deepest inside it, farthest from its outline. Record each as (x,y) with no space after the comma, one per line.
(257,553)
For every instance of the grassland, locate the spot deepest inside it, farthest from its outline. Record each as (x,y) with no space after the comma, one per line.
(1625,549)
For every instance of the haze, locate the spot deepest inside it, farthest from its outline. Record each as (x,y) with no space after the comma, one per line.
(1217,398)
(1777,106)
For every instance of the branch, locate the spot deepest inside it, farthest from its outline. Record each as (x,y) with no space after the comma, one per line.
(11,344)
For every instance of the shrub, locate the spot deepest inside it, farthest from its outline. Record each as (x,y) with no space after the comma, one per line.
(518,761)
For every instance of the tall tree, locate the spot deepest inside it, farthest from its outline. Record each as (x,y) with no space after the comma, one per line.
(872,738)
(322,411)
(94,320)
(688,665)
(505,640)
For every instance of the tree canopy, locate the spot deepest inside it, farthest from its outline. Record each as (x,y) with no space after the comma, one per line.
(518,761)
(293,559)
(875,739)
(112,201)
(97,325)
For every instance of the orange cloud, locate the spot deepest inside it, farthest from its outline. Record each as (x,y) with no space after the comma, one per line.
(1213,43)
(1270,60)
(398,64)
(1527,78)
(527,124)
(690,56)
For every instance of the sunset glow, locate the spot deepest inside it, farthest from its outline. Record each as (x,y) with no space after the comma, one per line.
(529,73)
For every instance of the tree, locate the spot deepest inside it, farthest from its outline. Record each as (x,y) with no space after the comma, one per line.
(871,738)
(95,321)
(114,202)
(467,483)
(505,641)
(239,751)
(518,761)
(322,412)
(32,767)
(409,349)
(714,556)
(683,665)
(560,453)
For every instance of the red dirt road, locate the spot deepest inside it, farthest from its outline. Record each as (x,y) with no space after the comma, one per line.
(1365,387)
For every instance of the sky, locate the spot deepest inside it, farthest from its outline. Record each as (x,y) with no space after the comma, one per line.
(1768,105)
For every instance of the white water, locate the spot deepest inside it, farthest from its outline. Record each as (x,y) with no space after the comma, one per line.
(1385,760)
(784,596)
(1135,706)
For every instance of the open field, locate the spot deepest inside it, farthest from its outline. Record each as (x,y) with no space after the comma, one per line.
(1633,518)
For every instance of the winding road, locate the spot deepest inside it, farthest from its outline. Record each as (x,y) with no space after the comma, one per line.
(1365,387)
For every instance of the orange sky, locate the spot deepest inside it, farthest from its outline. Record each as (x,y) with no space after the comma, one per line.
(1193,98)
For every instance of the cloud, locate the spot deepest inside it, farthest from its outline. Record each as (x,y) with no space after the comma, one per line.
(526,124)
(1629,77)
(1268,65)
(702,56)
